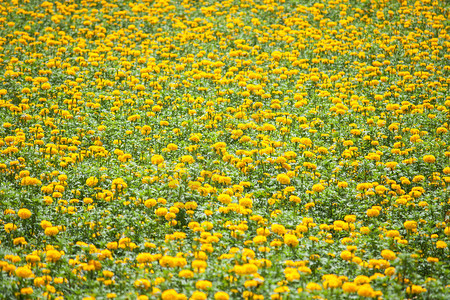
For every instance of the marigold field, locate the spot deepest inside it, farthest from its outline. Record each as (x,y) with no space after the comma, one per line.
(167,149)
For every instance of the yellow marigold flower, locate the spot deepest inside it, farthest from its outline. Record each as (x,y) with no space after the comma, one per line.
(440,130)
(32,258)
(53,255)
(415,138)
(432,259)
(342,184)
(318,188)
(388,254)
(447,231)
(9,211)
(246,202)
(250,269)
(118,184)
(441,245)
(350,218)
(322,150)
(415,289)
(203,284)
(259,239)
(144,258)
(199,265)
(173,184)
(331,281)
(283,179)
(191,205)
(150,203)
(346,255)
(221,296)
(278,229)
(140,87)
(391,165)
(20,241)
(57,195)
(172,147)
(24,213)
(290,155)
(207,225)
(91,181)
(410,225)
(187,159)
(186,274)
(224,198)
(30,181)
(392,233)
(26,291)
(276,55)
(45,224)
(10,227)
(197,295)
(380,189)
(39,281)
(361,279)
(295,199)
(142,283)
(366,291)
(169,295)
(349,287)
(301,228)
(291,240)
(161,211)
(312,286)
(429,159)
(268,127)
(107,273)
(371,212)
(389,271)
(157,159)
(418,178)
(308,154)
(24,272)
(51,231)
(156,108)
(291,274)
(46,86)
(315,78)
(88,200)
(134,118)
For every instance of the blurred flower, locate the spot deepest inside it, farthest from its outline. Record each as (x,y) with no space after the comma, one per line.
(283,179)
(429,159)
(24,272)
